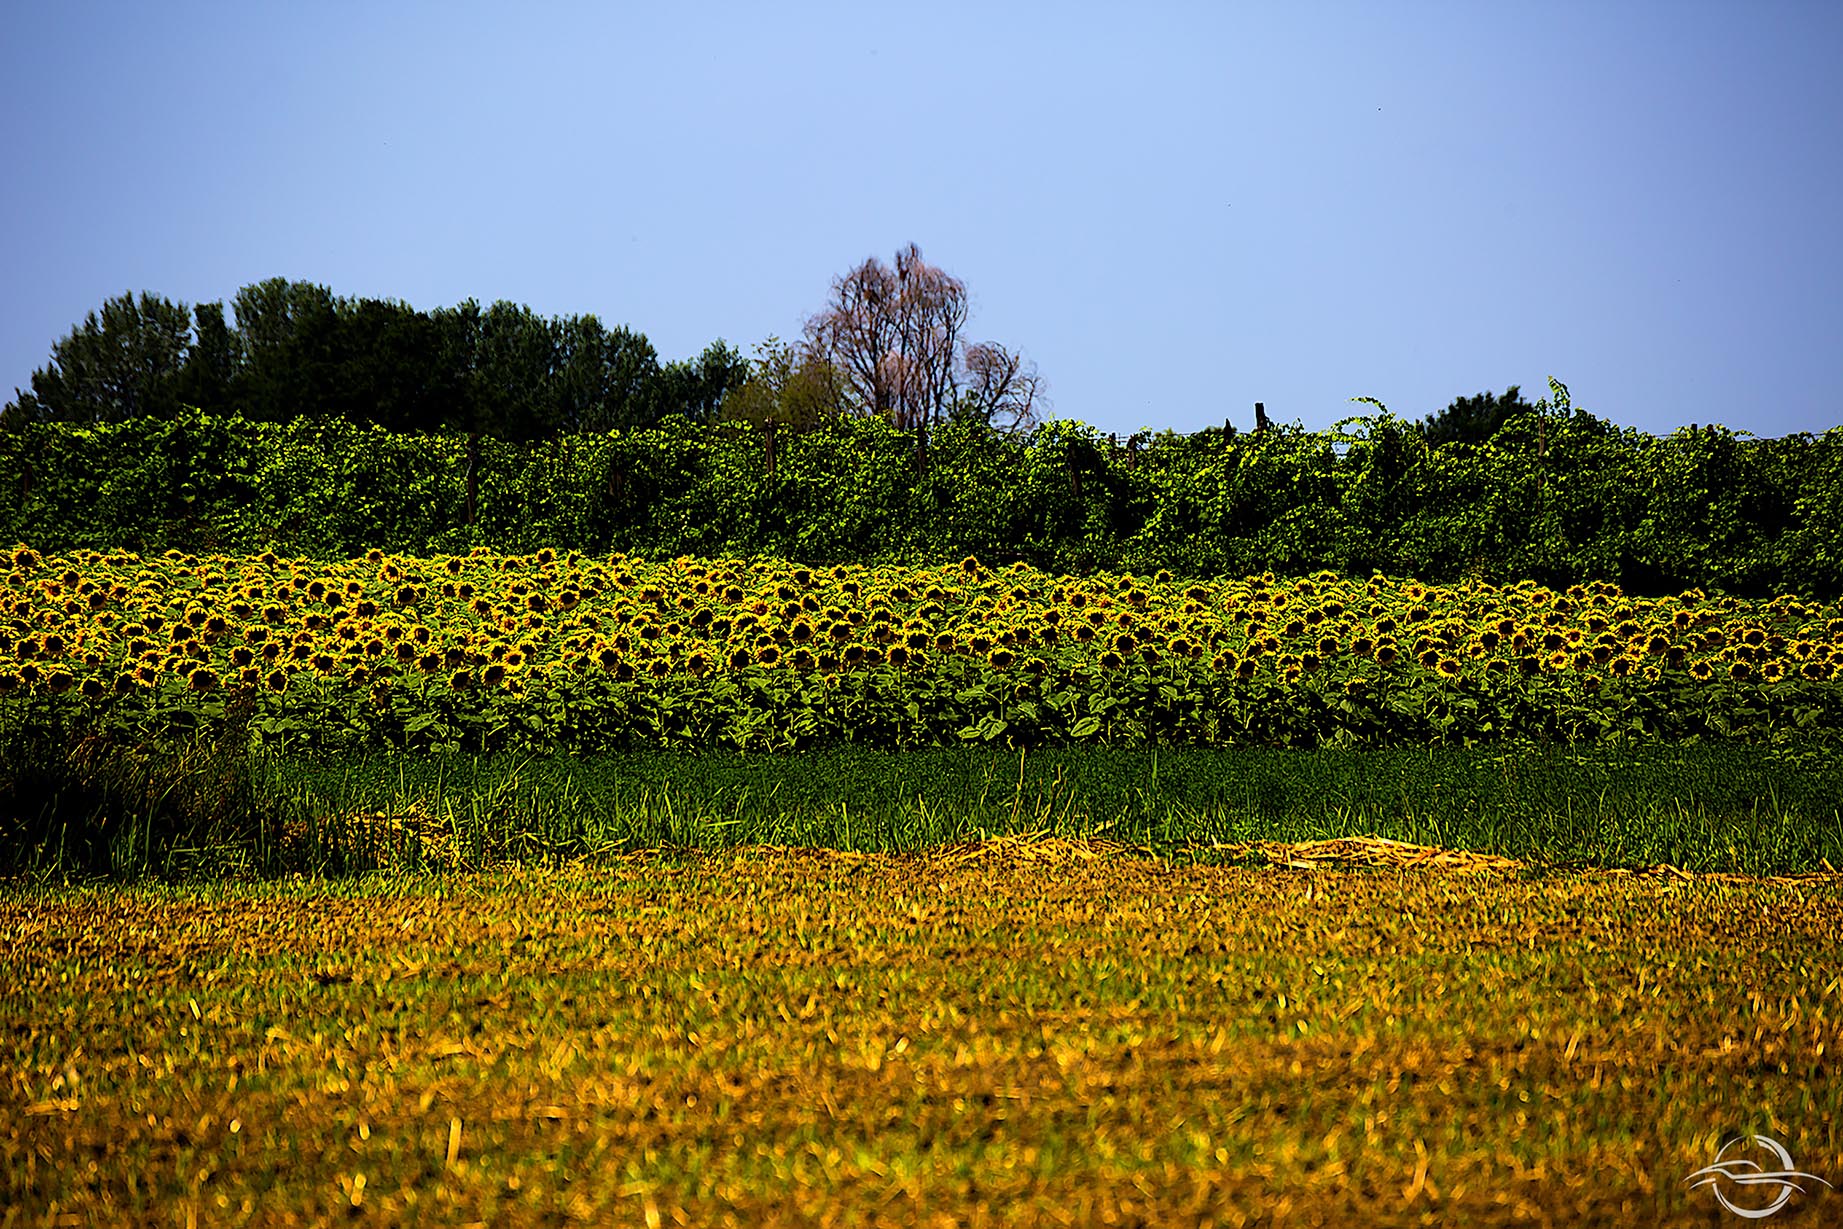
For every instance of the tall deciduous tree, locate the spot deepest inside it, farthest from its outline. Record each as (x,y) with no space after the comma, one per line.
(1003,388)
(603,378)
(212,361)
(124,363)
(896,336)
(787,385)
(286,333)
(698,388)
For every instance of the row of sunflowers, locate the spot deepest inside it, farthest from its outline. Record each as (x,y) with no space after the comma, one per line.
(433,640)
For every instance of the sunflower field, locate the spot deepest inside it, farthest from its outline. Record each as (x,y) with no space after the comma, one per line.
(559,652)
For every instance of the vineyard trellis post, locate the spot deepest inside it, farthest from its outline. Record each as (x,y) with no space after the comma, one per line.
(473,475)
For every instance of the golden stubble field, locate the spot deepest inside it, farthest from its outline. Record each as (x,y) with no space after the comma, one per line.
(1028,1033)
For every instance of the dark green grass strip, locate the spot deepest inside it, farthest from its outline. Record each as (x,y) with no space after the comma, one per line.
(1708,807)
(208,811)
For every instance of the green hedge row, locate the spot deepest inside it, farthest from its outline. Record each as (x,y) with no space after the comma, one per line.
(1557,497)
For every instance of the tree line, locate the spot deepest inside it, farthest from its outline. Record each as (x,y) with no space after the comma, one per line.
(891,343)
(290,350)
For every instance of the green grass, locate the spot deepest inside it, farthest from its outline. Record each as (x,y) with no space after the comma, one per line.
(204,811)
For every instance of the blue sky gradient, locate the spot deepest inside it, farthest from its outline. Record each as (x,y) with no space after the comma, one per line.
(1176,210)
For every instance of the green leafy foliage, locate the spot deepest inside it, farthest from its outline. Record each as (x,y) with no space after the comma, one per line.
(1553,496)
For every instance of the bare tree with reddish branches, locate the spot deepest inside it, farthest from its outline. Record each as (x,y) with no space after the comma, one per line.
(896,337)
(1001,385)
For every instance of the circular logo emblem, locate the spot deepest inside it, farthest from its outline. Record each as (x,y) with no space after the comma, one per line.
(1757,1180)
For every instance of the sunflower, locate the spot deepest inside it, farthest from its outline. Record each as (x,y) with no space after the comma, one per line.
(202,679)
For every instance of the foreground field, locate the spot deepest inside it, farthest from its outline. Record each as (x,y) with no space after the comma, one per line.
(1004,1033)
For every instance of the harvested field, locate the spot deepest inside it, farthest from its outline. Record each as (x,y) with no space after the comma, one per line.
(1015,1032)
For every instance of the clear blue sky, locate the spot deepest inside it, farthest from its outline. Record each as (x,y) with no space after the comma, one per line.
(1176,210)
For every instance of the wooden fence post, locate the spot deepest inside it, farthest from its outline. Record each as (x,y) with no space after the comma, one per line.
(473,474)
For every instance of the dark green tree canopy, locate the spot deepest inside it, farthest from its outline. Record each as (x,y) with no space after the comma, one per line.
(1475,419)
(126,363)
(295,350)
